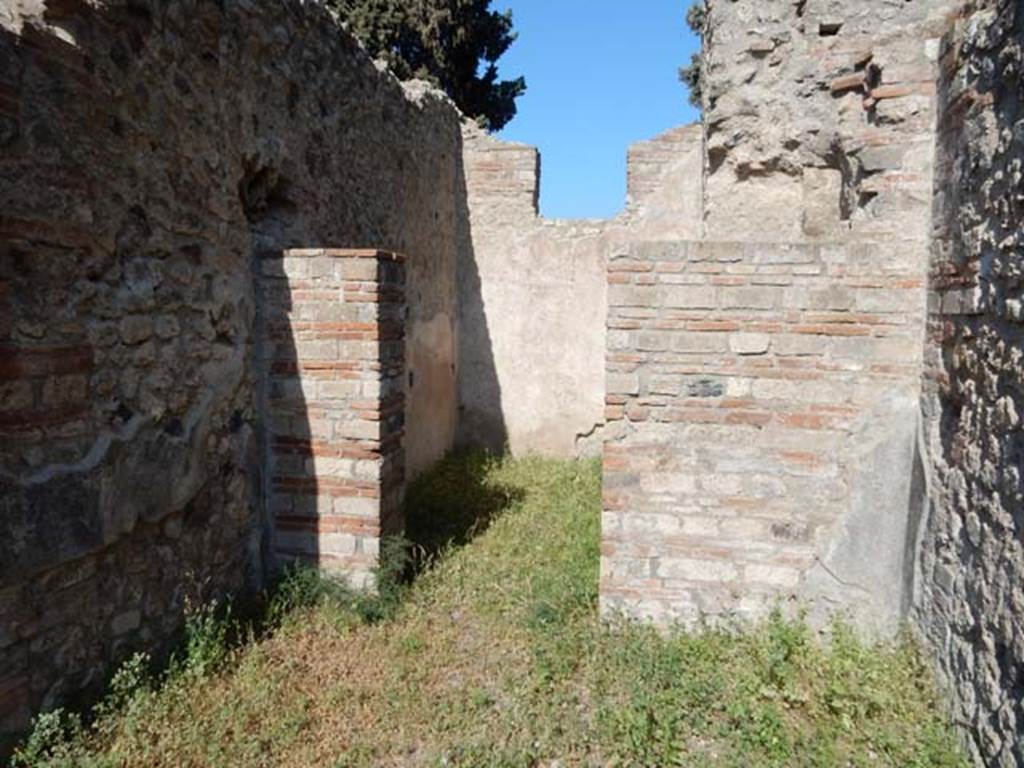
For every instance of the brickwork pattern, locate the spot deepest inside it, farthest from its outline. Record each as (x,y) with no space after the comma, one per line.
(336,365)
(745,385)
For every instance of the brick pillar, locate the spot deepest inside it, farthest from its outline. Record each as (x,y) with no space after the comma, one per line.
(336,357)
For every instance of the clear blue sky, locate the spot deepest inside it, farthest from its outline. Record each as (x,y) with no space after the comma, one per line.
(600,75)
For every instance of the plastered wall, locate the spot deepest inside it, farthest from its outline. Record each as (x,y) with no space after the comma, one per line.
(533,291)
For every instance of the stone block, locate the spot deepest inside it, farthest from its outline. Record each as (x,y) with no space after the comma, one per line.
(750,298)
(125,622)
(136,329)
(336,544)
(749,343)
(341,389)
(693,341)
(357,506)
(822,196)
(324,351)
(684,297)
(882,158)
(694,570)
(16,395)
(631,296)
(624,384)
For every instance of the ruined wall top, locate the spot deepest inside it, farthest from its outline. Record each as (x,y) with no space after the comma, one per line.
(819,117)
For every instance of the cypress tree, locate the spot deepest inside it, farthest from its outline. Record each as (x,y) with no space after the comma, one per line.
(454,44)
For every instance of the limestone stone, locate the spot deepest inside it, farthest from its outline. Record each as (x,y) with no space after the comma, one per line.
(136,329)
(797,346)
(749,343)
(964,607)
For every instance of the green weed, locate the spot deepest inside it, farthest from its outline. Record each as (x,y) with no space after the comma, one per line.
(493,655)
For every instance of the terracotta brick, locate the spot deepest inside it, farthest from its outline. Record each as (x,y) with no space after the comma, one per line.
(26,362)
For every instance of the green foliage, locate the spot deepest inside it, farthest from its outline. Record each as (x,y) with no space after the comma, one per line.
(51,743)
(390,581)
(303,590)
(207,633)
(453,504)
(495,656)
(454,44)
(690,75)
(696,15)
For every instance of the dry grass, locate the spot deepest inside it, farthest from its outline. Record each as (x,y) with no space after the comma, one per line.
(495,657)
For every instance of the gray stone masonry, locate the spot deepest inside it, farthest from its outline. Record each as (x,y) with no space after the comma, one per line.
(799,346)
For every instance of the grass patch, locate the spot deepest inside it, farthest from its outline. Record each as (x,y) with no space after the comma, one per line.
(494,656)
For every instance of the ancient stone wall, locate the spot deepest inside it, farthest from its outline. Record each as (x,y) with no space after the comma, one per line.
(763,399)
(970,604)
(152,154)
(533,291)
(196,382)
(761,432)
(819,118)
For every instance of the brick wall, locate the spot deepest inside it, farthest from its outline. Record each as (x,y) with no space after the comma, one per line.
(762,405)
(149,151)
(335,405)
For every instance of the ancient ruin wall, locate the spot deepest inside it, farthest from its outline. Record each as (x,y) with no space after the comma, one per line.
(819,118)
(335,405)
(970,604)
(763,397)
(761,430)
(533,291)
(151,155)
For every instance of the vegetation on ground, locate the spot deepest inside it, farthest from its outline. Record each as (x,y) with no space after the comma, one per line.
(495,656)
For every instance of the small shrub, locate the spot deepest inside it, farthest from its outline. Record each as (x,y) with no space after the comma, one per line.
(207,633)
(302,588)
(390,579)
(51,743)
(131,682)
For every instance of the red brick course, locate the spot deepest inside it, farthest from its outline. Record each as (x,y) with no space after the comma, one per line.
(731,401)
(335,391)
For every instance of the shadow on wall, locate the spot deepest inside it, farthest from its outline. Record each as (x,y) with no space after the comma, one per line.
(482,425)
(332,349)
(159,347)
(285,431)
